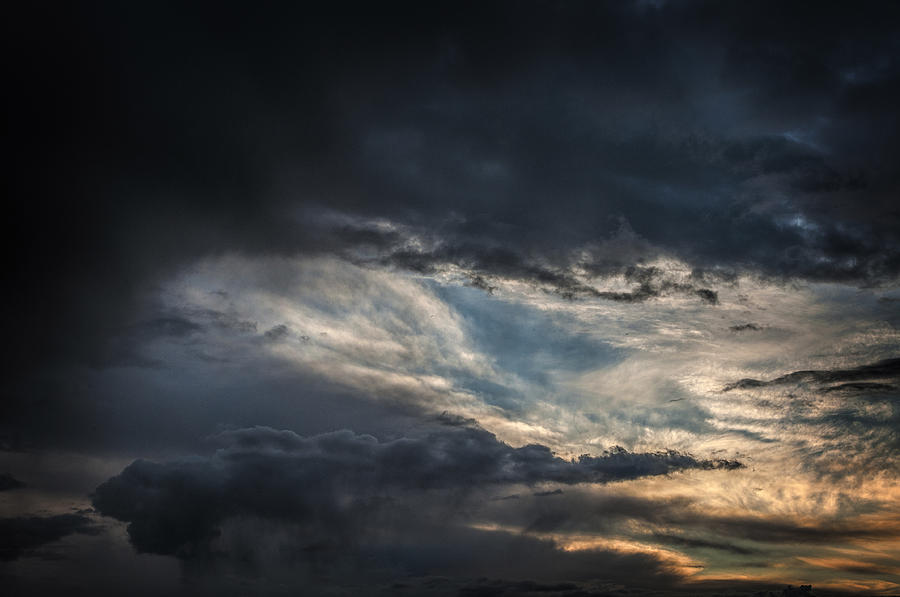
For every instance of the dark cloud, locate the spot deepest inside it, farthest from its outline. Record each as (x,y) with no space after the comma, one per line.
(8,482)
(577,512)
(328,478)
(693,542)
(477,281)
(745,327)
(786,531)
(20,536)
(486,264)
(495,587)
(562,145)
(757,138)
(344,511)
(556,491)
(277,332)
(861,387)
(850,379)
(583,512)
(857,435)
(525,587)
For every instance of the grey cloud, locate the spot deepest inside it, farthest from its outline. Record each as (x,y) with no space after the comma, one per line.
(467,554)
(227,321)
(165,325)
(710,296)
(556,491)
(694,542)
(856,436)
(485,264)
(715,151)
(19,536)
(860,387)
(525,587)
(277,332)
(775,530)
(8,482)
(886,369)
(740,139)
(278,474)
(477,281)
(588,512)
(496,587)
(784,531)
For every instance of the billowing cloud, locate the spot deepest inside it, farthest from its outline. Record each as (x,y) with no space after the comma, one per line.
(334,477)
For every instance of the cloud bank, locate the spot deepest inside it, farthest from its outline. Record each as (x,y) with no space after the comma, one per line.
(332,478)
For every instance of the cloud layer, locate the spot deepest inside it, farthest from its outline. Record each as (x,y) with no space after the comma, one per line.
(333,478)
(666,226)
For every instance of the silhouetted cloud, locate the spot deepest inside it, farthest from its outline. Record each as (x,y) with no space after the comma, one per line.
(8,482)
(485,264)
(449,130)
(584,513)
(18,536)
(278,474)
(556,491)
(776,530)
(886,369)
(694,542)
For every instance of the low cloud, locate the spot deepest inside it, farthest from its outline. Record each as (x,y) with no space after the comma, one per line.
(334,478)
(8,482)
(19,536)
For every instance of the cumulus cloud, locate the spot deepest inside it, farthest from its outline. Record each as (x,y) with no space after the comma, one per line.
(331,478)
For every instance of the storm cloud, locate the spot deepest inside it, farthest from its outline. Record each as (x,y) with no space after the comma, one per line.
(8,482)
(21,535)
(669,227)
(278,474)
(706,139)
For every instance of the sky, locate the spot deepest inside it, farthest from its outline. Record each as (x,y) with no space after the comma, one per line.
(449,298)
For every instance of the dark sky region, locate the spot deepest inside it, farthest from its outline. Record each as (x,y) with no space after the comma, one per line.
(449,298)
